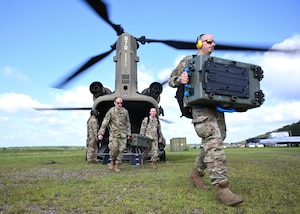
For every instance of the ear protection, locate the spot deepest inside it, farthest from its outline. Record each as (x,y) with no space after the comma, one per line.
(199,41)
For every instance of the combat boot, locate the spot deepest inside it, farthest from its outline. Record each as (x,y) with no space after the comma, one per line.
(117,168)
(196,178)
(225,195)
(111,165)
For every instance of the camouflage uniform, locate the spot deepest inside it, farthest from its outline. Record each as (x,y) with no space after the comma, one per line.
(151,128)
(119,129)
(210,126)
(92,147)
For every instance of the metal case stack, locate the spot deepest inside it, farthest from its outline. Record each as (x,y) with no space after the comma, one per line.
(225,84)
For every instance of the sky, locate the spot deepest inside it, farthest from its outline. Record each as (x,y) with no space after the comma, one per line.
(43,41)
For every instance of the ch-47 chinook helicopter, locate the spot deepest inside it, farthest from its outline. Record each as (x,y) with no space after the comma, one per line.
(137,103)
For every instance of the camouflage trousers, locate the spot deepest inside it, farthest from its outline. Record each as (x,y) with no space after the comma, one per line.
(210,126)
(117,146)
(153,148)
(92,149)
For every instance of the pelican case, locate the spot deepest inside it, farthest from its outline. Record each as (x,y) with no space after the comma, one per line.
(139,141)
(225,84)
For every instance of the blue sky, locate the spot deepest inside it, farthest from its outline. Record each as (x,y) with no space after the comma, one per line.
(43,41)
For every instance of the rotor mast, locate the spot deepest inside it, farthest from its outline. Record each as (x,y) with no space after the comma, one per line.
(126,65)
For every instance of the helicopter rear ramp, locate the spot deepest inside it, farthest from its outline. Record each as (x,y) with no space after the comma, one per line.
(133,152)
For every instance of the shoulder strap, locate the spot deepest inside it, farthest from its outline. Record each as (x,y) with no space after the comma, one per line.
(157,128)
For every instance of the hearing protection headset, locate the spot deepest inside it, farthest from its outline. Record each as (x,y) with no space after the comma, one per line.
(199,41)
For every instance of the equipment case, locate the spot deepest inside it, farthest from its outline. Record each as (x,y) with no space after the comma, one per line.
(224,84)
(139,140)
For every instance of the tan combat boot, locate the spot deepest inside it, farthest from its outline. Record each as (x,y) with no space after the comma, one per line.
(225,195)
(117,168)
(111,165)
(196,178)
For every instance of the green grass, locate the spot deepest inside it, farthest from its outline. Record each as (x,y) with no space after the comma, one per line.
(59,181)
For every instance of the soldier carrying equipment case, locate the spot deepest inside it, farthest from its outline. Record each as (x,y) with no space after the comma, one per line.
(225,84)
(139,141)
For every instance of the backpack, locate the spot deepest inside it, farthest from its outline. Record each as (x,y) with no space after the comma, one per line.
(185,110)
(158,124)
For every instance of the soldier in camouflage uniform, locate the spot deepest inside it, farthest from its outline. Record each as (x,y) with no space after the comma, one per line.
(117,118)
(210,126)
(92,130)
(151,128)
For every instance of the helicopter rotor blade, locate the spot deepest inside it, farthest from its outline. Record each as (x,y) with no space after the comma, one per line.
(100,8)
(63,109)
(225,47)
(88,64)
(164,82)
(175,44)
(166,121)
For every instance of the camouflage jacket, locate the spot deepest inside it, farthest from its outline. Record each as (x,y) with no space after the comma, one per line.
(92,127)
(118,123)
(174,80)
(151,128)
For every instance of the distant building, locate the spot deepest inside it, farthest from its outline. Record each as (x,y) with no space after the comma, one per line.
(253,143)
(281,139)
(279,134)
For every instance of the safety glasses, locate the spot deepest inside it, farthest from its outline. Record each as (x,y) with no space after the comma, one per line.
(209,41)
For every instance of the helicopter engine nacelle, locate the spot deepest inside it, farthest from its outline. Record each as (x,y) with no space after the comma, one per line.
(154,91)
(97,89)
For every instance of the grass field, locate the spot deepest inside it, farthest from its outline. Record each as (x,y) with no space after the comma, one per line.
(59,181)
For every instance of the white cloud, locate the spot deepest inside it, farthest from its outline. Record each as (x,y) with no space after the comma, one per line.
(291,43)
(78,97)
(144,78)
(21,125)
(13,102)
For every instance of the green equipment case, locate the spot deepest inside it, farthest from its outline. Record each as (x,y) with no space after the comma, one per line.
(139,140)
(225,84)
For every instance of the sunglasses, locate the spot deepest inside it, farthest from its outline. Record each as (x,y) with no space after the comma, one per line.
(209,41)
